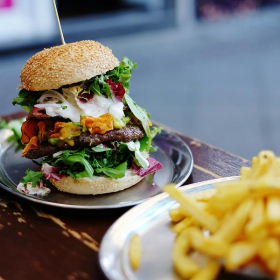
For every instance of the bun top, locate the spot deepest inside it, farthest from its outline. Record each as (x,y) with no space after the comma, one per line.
(66,64)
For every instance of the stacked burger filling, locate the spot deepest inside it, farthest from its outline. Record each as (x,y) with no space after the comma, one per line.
(90,128)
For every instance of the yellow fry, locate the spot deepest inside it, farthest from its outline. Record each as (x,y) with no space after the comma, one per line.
(176,215)
(278,270)
(275,230)
(208,246)
(273,210)
(227,198)
(256,217)
(271,264)
(203,195)
(183,265)
(232,227)
(269,249)
(239,254)
(135,251)
(260,166)
(209,272)
(190,208)
(182,225)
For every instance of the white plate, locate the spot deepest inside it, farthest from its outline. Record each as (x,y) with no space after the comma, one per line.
(152,222)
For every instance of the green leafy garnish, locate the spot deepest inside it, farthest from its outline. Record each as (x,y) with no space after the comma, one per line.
(32,177)
(78,164)
(96,160)
(142,116)
(121,73)
(26,99)
(117,172)
(15,127)
(100,149)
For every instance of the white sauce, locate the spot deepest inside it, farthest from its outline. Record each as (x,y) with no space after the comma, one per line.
(100,105)
(71,107)
(39,190)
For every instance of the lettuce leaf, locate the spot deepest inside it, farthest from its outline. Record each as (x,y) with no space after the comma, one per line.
(121,73)
(32,176)
(97,160)
(117,172)
(26,99)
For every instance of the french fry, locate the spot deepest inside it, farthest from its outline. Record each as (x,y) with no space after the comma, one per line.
(278,270)
(256,218)
(203,195)
(209,272)
(135,251)
(271,264)
(269,249)
(182,225)
(275,230)
(239,254)
(183,265)
(232,227)
(273,210)
(209,246)
(176,215)
(238,223)
(227,198)
(189,208)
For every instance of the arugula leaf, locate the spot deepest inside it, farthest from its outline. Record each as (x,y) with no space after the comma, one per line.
(115,173)
(76,158)
(32,176)
(141,115)
(87,161)
(153,149)
(121,73)
(155,130)
(99,86)
(95,87)
(100,148)
(141,160)
(26,99)
(144,143)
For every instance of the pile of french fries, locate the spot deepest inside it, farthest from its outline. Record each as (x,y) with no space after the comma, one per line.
(234,226)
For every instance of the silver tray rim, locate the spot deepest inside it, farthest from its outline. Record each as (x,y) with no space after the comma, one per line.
(111,269)
(92,207)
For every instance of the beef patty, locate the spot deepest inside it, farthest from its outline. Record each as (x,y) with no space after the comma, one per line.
(125,134)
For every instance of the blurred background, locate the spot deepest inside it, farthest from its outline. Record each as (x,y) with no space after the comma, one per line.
(207,68)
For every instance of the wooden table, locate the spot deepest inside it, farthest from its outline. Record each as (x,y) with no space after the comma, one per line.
(40,242)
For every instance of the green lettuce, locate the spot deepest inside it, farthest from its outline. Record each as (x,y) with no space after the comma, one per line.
(94,161)
(121,73)
(27,99)
(32,176)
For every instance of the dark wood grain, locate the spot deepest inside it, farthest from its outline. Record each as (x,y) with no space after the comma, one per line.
(40,242)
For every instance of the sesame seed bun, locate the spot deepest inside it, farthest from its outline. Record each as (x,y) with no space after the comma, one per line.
(96,184)
(66,64)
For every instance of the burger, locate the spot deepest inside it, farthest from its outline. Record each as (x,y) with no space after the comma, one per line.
(83,128)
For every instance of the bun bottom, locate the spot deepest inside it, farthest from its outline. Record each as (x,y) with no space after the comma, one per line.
(96,184)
